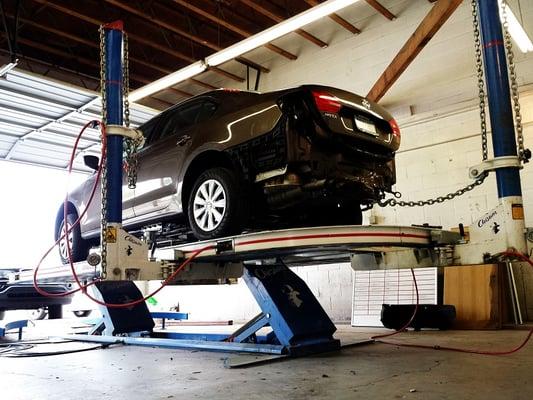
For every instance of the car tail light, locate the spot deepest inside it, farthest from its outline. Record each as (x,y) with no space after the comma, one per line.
(395,128)
(326,102)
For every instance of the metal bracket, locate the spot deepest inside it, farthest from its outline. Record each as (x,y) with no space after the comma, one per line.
(119,130)
(496,163)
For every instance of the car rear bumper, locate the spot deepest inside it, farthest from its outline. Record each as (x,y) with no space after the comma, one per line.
(24,296)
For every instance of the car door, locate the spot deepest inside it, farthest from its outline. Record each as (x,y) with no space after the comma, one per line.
(92,218)
(160,159)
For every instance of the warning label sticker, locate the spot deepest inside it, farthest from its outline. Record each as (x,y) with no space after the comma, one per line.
(111,234)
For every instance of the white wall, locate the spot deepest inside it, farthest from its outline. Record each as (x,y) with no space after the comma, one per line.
(235,302)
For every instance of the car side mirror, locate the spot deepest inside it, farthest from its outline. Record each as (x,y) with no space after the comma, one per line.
(91,162)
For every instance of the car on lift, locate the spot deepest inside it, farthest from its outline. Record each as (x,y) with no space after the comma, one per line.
(227,161)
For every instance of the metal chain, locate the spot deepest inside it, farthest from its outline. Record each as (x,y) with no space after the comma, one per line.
(480,81)
(483,121)
(130,145)
(126,80)
(523,154)
(103,218)
(440,199)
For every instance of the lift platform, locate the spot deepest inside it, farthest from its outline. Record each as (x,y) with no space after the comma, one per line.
(292,321)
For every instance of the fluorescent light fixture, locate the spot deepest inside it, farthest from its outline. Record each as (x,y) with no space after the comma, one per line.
(168,81)
(516,30)
(277,31)
(8,67)
(244,46)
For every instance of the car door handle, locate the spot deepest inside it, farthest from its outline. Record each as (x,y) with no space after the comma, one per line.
(183,140)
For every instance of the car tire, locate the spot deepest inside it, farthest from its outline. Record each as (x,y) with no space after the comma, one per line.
(38,314)
(2,314)
(217,204)
(55,311)
(82,313)
(78,246)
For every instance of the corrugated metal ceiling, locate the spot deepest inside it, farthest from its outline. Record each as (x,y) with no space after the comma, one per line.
(40,119)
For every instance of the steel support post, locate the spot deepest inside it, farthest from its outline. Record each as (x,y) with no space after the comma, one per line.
(501,119)
(113,87)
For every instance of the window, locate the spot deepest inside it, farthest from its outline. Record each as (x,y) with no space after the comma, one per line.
(186,116)
(148,128)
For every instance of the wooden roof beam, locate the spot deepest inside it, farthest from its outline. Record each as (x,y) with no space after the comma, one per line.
(277,18)
(337,18)
(431,23)
(231,27)
(178,31)
(136,38)
(381,9)
(89,43)
(235,29)
(66,55)
(203,84)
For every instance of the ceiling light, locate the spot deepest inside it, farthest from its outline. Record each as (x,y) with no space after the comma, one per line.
(168,81)
(7,67)
(516,30)
(277,31)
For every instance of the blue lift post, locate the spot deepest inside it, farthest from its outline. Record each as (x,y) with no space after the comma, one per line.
(113,33)
(117,291)
(501,117)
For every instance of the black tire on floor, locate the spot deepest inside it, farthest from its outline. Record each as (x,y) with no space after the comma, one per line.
(79,246)
(38,313)
(231,218)
(55,311)
(82,314)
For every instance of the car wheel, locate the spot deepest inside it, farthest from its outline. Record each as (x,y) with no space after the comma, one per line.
(39,313)
(217,205)
(55,311)
(82,314)
(78,246)
(2,314)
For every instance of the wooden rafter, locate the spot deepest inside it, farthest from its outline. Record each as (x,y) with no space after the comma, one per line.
(277,18)
(381,9)
(172,28)
(231,27)
(137,38)
(80,60)
(431,23)
(92,44)
(337,18)
(32,62)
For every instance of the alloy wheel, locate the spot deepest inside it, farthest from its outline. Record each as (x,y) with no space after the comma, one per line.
(63,251)
(209,205)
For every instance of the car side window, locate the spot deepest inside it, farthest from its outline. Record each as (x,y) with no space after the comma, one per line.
(149,129)
(186,116)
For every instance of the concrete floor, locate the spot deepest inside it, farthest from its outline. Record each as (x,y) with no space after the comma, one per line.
(374,371)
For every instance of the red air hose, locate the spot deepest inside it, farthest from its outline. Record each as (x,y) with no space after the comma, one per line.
(68,230)
(379,338)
